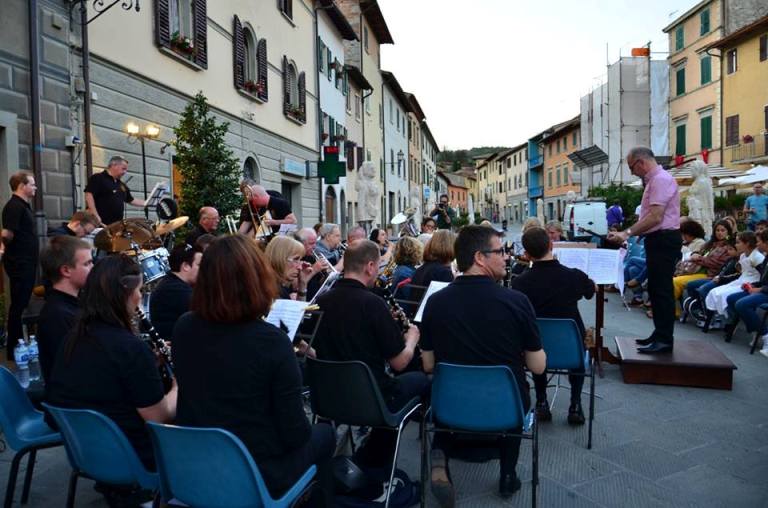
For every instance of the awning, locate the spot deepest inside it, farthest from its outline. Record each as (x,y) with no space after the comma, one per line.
(713,171)
(756,174)
(588,157)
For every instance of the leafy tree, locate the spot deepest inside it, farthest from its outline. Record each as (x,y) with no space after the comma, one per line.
(209,169)
(628,197)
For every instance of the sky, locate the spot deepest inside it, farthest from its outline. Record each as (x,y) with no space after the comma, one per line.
(496,72)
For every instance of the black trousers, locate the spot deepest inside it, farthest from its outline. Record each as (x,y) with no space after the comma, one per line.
(577,383)
(21,282)
(662,252)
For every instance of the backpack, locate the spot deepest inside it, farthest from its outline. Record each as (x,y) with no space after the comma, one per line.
(403,492)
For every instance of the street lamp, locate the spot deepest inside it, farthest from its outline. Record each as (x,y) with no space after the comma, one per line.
(134,134)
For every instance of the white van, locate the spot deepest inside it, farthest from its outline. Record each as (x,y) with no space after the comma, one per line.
(584,214)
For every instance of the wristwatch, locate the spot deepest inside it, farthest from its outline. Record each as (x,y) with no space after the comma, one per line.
(628,232)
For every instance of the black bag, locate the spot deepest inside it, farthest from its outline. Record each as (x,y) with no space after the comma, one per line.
(403,492)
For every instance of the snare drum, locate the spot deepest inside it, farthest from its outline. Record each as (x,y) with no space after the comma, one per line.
(154,264)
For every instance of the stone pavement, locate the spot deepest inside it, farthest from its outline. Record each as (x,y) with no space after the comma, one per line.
(653,445)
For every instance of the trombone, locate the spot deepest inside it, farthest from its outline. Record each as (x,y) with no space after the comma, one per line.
(260,230)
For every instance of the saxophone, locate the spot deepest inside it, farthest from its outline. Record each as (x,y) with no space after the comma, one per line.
(384,289)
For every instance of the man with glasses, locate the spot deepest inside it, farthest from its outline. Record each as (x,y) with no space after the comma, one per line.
(475,321)
(756,206)
(659,223)
(443,214)
(208,224)
(172,296)
(81,224)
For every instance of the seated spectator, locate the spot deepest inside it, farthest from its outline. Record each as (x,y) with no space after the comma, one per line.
(694,265)
(749,259)
(555,231)
(713,257)
(693,236)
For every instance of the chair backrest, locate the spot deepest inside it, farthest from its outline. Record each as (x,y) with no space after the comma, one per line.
(99,449)
(561,340)
(476,398)
(207,467)
(345,392)
(15,408)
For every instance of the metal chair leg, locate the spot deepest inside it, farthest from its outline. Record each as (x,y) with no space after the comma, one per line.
(72,489)
(535,465)
(403,423)
(28,476)
(14,472)
(591,404)
(424,452)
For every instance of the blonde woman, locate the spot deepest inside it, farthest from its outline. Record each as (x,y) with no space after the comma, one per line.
(438,256)
(407,255)
(284,255)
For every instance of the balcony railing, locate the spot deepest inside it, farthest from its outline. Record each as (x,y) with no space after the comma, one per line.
(536,160)
(755,151)
(535,192)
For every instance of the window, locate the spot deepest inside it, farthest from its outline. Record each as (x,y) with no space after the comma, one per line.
(392,162)
(565,143)
(397,111)
(180,16)
(367,101)
(391,113)
(181,26)
(558,146)
(565,174)
(764,48)
(731,61)
(294,92)
(706,132)
(575,139)
(509,161)
(732,130)
(706,69)
(704,18)
(357,106)
(365,38)
(249,47)
(286,7)
(557,179)
(549,178)
(679,38)
(680,81)
(250,61)
(680,139)
(321,56)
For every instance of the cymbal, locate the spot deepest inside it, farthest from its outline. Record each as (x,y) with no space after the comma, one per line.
(398,219)
(172,225)
(120,235)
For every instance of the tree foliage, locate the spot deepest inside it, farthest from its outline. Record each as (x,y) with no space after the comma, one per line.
(209,169)
(457,158)
(627,196)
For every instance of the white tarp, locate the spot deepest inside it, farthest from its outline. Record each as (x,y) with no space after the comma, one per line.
(660,107)
(756,174)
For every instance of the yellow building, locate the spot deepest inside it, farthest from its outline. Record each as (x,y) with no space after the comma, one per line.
(744,60)
(694,82)
(559,141)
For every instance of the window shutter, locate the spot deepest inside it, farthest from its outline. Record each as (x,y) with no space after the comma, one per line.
(303,96)
(238,53)
(261,69)
(706,69)
(320,51)
(706,132)
(732,130)
(289,8)
(200,19)
(680,75)
(329,56)
(680,141)
(359,157)
(286,86)
(162,24)
(350,155)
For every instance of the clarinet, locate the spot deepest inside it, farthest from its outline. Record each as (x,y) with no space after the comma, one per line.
(397,311)
(160,347)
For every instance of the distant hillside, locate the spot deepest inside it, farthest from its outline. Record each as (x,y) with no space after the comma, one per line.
(460,157)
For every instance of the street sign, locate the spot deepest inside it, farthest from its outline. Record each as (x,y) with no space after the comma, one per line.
(330,168)
(426,192)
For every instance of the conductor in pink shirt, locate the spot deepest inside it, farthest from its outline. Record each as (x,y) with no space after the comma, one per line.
(659,223)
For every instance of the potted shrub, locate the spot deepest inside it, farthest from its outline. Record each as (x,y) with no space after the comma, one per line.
(182,44)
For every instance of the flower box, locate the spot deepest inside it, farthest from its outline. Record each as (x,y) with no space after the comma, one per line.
(183,45)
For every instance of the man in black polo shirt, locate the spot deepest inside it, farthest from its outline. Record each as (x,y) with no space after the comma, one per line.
(475,321)
(554,291)
(208,224)
(262,201)
(171,297)
(106,194)
(19,251)
(81,224)
(357,325)
(66,262)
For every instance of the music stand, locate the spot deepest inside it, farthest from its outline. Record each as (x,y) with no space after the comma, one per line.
(308,328)
(158,191)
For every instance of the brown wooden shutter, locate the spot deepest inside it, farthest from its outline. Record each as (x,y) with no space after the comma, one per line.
(200,19)
(162,24)
(359,157)
(261,71)
(289,8)
(303,96)
(286,86)
(238,56)
(350,153)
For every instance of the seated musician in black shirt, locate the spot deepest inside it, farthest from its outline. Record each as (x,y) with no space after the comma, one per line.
(554,291)
(475,321)
(357,325)
(438,256)
(103,366)
(66,262)
(261,201)
(207,224)
(170,299)
(81,224)
(240,373)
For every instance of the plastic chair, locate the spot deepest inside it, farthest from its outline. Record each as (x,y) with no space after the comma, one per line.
(346,392)
(98,449)
(472,399)
(25,431)
(211,468)
(562,341)
(764,308)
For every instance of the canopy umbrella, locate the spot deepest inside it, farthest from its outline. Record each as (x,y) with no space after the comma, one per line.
(756,174)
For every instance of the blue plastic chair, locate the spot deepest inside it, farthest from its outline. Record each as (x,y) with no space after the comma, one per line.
(98,449)
(211,468)
(562,341)
(471,399)
(763,307)
(25,431)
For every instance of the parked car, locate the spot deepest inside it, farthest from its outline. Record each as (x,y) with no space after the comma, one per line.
(583,215)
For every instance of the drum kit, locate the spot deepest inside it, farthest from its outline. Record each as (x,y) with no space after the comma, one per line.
(143,240)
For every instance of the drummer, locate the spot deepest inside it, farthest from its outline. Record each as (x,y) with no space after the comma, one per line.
(106,194)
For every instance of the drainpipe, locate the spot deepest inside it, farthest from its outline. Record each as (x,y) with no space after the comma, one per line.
(319,118)
(34,89)
(86,56)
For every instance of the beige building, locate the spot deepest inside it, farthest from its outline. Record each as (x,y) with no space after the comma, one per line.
(517,183)
(694,83)
(355,151)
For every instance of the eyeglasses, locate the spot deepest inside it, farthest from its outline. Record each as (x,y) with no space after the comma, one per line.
(500,251)
(294,260)
(632,166)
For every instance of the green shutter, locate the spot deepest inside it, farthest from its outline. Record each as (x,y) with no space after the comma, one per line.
(680,90)
(706,132)
(706,70)
(680,141)
(704,17)
(679,38)
(320,50)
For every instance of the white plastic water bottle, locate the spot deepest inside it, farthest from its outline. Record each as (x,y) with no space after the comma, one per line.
(21,357)
(34,363)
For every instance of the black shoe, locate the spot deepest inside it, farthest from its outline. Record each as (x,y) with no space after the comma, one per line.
(543,414)
(508,485)
(656,348)
(575,414)
(645,342)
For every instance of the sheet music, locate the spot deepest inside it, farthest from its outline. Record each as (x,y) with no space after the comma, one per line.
(287,315)
(433,288)
(603,266)
(286,229)
(574,258)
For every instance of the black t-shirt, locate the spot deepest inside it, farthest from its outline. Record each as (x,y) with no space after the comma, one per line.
(357,325)
(56,319)
(169,300)
(554,290)
(278,208)
(109,195)
(242,377)
(196,233)
(22,252)
(474,321)
(113,372)
(429,271)
(62,230)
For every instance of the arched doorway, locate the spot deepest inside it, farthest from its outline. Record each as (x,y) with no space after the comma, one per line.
(343,213)
(251,170)
(330,205)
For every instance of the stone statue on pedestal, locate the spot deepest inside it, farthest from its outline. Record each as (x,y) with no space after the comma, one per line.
(701,200)
(540,211)
(414,201)
(368,192)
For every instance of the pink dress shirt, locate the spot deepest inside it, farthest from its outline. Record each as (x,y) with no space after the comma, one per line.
(661,189)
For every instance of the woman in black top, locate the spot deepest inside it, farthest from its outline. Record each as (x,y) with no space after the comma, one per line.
(380,238)
(240,373)
(103,366)
(438,256)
